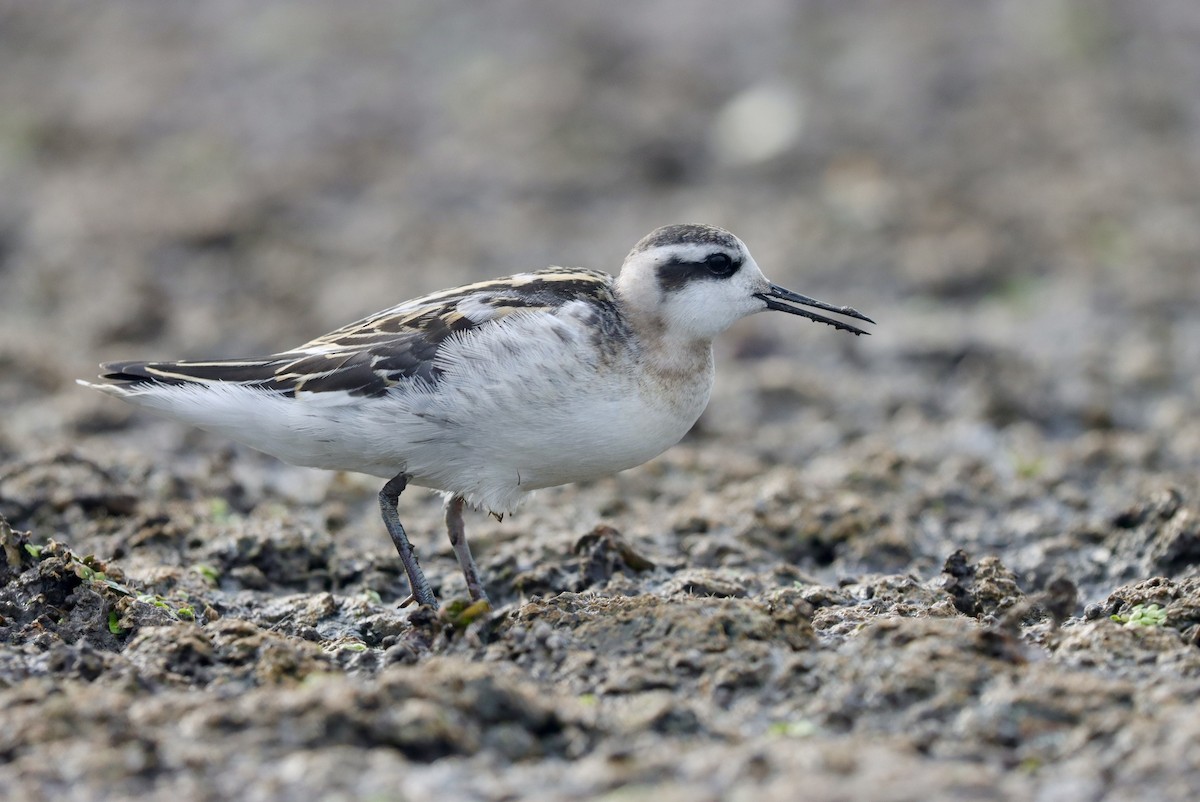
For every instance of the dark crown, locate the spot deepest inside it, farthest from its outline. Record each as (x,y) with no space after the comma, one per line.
(686,234)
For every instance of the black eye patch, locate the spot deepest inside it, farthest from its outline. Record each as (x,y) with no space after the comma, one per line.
(675,274)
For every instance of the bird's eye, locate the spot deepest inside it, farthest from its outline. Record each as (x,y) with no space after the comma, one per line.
(719,264)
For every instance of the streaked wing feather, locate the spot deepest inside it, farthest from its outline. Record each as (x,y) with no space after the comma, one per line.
(396,345)
(251,372)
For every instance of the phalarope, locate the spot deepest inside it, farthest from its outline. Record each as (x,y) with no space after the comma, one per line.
(488,391)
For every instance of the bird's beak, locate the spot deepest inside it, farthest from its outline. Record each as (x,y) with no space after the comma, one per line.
(777,292)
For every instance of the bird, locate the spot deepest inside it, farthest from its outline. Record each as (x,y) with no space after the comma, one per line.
(488,391)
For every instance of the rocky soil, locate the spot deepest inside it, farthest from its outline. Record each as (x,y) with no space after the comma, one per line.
(957,559)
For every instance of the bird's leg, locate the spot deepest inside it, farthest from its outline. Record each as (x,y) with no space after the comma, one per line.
(458,539)
(389,499)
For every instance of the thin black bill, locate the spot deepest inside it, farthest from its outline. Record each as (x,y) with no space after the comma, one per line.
(777,294)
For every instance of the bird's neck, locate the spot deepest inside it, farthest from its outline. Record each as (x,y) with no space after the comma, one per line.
(675,357)
(678,373)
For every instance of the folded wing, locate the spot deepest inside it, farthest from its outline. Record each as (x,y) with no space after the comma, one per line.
(400,344)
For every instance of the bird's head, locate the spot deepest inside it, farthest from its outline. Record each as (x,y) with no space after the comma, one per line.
(696,281)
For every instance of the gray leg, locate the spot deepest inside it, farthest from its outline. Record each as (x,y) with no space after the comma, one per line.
(389,498)
(458,539)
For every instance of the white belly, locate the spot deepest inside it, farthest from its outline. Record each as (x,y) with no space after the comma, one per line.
(506,447)
(593,437)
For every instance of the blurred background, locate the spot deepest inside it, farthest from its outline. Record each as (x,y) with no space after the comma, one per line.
(1009,188)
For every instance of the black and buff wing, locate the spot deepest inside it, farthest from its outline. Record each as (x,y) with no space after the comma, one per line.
(397,345)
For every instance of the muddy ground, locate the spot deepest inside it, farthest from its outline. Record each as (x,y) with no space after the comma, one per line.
(957,559)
